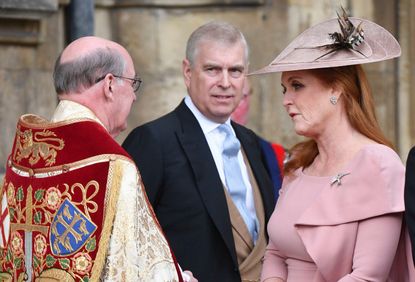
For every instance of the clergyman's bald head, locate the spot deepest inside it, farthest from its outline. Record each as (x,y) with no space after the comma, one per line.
(85,60)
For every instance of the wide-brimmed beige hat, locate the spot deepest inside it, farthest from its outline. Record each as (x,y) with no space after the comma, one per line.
(337,42)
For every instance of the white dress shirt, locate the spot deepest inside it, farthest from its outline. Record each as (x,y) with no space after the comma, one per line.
(215,140)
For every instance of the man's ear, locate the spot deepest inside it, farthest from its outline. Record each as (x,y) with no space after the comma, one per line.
(109,84)
(187,72)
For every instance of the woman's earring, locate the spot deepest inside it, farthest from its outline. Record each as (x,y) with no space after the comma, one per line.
(333,100)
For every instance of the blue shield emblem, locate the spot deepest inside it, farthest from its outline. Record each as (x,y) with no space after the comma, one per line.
(70,229)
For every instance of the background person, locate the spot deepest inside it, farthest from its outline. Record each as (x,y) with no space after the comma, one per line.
(212,198)
(274,153)
(410,198)
(339,215)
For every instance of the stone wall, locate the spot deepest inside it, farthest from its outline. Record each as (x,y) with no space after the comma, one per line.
(155,33)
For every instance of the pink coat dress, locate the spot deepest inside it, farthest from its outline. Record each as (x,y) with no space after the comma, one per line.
(323,230)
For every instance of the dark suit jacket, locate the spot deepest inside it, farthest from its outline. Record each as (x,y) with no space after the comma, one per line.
(410,198)
(186,192)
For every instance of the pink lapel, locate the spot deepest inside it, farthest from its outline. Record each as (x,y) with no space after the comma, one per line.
(328,227)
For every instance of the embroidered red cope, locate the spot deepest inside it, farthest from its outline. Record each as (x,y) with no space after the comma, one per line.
(57,186)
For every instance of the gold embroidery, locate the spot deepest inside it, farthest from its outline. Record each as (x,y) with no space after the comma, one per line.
(45,200)
(2,185)
(24,221)
(89,206)
(64,239)
(5,277)
(114,181)
(24,216)
(54,274)
(38,210)
(43,144)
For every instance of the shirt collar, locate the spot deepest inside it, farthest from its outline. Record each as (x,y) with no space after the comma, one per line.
(206,124)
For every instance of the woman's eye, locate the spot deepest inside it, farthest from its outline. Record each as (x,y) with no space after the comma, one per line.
(297,86)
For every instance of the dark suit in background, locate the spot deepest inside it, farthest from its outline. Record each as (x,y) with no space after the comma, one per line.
(410,198)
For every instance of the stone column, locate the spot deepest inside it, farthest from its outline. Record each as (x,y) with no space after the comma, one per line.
(80,19)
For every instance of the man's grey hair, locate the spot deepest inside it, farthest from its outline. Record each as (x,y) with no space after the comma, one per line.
(83,72)
(216,31)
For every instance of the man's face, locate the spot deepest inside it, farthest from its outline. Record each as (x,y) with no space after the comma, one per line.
(216,79)
(124,97)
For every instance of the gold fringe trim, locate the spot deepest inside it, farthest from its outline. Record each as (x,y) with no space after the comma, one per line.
(60,169)
(113,191)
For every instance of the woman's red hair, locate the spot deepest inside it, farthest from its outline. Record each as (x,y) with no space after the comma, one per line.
(360,109)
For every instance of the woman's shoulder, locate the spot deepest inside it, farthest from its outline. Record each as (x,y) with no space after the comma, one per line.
(381,166)
(379,155)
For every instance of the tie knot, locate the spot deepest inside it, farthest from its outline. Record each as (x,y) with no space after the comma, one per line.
(231,144)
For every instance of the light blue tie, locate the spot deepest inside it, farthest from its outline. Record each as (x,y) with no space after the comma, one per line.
(234,180)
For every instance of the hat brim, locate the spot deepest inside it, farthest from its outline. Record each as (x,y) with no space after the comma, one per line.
(313,48)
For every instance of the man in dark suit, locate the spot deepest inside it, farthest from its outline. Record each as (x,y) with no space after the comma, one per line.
(409,197)
(180,156)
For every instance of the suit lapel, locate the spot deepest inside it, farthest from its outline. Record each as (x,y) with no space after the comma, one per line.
(252,151)
(206,175)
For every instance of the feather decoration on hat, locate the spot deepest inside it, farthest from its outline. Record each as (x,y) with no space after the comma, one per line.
(349,38)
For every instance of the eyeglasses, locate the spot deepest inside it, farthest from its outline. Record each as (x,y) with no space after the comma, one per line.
(136,81)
